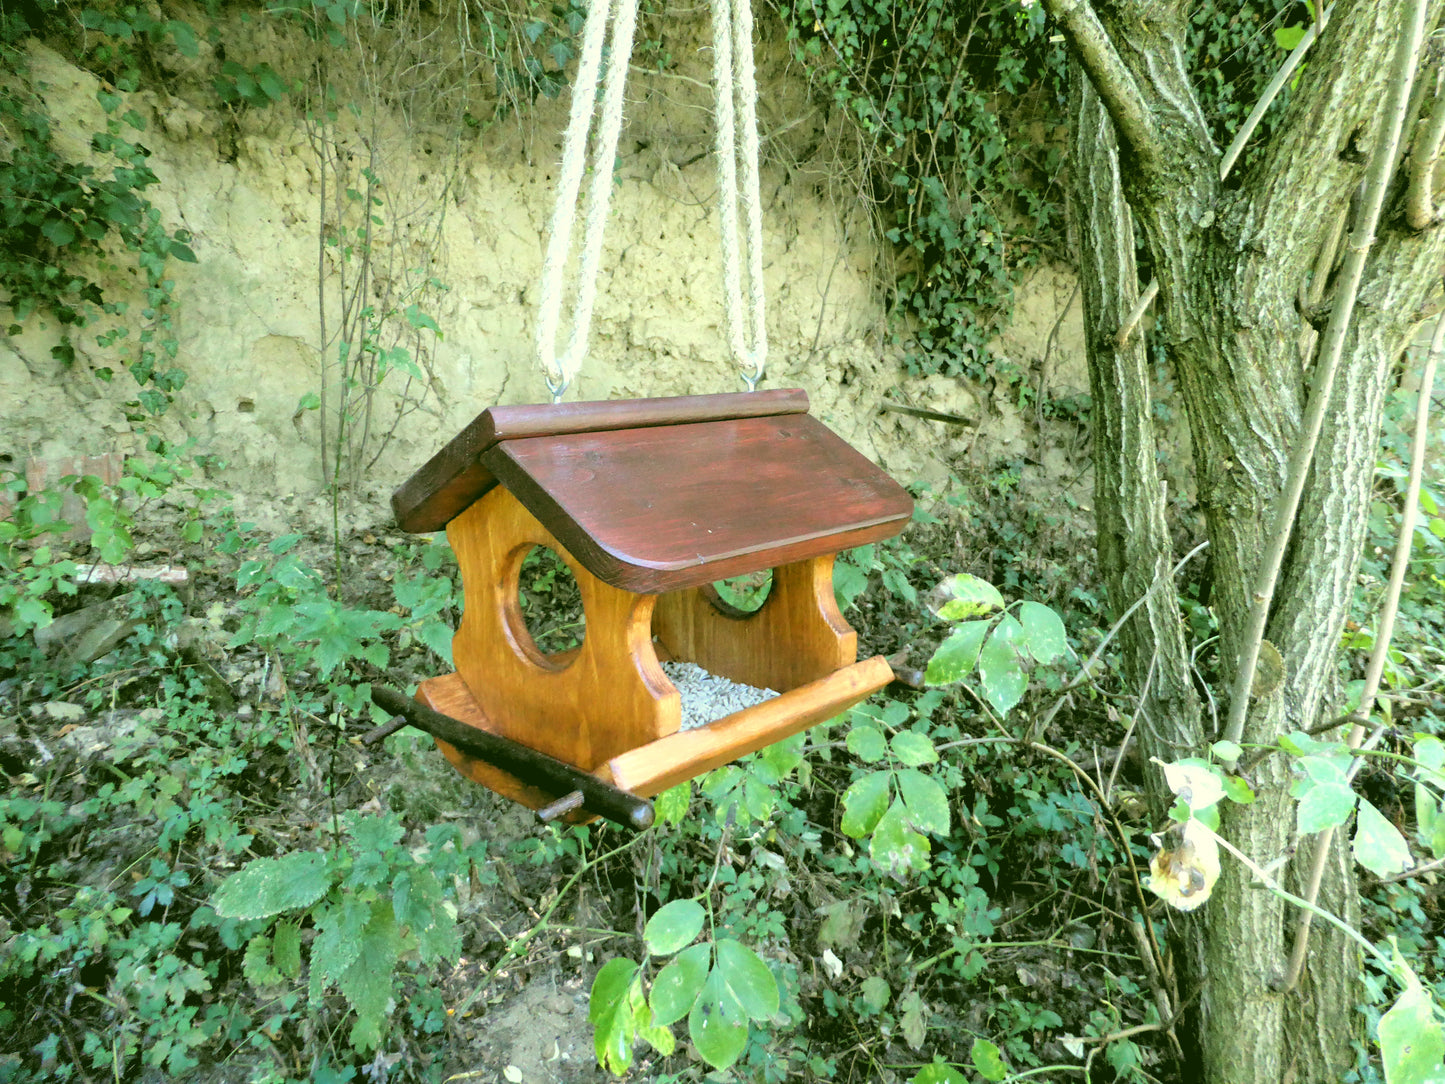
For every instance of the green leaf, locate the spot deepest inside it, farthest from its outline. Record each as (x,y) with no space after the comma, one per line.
(609,989)
(895,847)
(1325,805)
(1043,632)
(875,993)
(1411,1045)
(422,912)
(913,1020)
(717,1024)
(58,231)
(256,963)
(783,757)
(1238,790)
(438,637)
(610,1011)
(337,945)
(367,983)
(182,252)
(867,743)
(956,657)
(987,1060)
(674,926)
(1001,678)
(418,319)
(1287,37)
(1227,752)
(1199,784)
(971,597)
(938,1073)
(679,983)
(1427,812)
(659,1038)
(270,886)
(671,805)
(864,803)
(914,748)
(926,800)
(849,581)
(286,949)
(269,82)
(1430,752)
(748,979)
(1379,846)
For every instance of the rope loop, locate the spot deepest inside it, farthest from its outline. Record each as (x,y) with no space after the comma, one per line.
(736,100)
(621,15)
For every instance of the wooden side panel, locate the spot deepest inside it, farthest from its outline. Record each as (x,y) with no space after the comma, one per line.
(584,708)
(796,637)
(688,753)
(450,696)
(453,478)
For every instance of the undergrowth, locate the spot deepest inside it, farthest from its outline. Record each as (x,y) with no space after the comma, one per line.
(205,873)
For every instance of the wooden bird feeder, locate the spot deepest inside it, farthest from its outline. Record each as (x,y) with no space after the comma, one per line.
(649,502)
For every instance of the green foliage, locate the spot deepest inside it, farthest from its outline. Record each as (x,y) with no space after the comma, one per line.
(1234,51)
(32,538)
(893,806)
(993,641)
(719,985)
(1408,1032)
(59,220)
(929,89)
(371,901)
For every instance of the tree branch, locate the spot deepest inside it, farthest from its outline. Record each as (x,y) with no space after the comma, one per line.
(1112,79)
(1271,92)
(1420,197)
(1383,633)
(1377,180)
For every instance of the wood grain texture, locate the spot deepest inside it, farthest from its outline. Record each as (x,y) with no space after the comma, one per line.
(797,636)
(607,698)
(453,478)
(671,760)
(655,510)
(667,761)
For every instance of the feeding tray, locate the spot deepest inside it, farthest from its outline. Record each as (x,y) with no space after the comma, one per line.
(649,502)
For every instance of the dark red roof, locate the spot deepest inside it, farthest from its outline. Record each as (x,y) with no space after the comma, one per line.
(654,495)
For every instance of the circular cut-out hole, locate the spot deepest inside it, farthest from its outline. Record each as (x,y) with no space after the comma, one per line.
(744,594)
(550,601)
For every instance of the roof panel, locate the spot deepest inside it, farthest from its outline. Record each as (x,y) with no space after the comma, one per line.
(662,508)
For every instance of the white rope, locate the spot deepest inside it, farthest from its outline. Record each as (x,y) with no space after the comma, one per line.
(559,371)
(733,77)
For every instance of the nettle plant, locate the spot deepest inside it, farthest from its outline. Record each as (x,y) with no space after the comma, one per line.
(377,908)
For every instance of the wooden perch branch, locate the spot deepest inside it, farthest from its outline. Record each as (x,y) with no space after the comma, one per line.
(1136,314)
(1384,630)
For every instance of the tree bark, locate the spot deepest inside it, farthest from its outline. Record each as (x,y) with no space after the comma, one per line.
(1231,263)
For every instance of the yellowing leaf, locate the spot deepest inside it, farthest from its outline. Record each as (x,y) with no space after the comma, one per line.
(1196,784)
(1184,877)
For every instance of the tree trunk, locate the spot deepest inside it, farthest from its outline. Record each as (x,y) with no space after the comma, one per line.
(1231,263)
